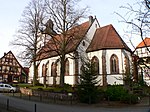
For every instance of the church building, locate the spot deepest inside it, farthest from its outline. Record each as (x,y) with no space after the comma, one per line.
(101,44)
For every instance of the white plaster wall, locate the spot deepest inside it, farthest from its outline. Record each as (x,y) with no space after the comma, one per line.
(40,67)
(114,79)
(111,79)
(109,53)
(91,31)
(49,80)
(87,39)
(117,52)
(71,63)
(69,80)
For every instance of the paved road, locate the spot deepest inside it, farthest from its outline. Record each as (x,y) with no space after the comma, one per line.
(29,106)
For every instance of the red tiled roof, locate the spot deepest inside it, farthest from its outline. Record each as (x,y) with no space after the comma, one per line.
(75,35)
(144,43)
(107,38)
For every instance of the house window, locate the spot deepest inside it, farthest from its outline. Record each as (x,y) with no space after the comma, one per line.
(7,60)
(95,61)
(114,64)
(67,67)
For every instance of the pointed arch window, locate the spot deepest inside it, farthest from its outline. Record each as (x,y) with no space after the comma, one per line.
(53,69)
(95,61)
(43,70)
(47,68)
(114,64)
(67,67)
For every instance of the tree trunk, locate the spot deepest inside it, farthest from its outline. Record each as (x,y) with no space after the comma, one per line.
(45,75)
(35,74)
(62,70)
(135,69)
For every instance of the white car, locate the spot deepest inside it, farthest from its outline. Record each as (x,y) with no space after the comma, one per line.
(7,88)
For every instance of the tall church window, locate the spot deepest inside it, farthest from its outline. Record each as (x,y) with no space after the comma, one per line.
(114,64)
(46,68)
(67,67)
(95,61)
(53,69)
(43,70)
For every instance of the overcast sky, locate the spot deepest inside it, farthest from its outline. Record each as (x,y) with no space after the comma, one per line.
(11,11)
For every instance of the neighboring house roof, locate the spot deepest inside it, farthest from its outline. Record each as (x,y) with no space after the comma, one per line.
(107,38)
(144,43)
(75,35)
(10,52)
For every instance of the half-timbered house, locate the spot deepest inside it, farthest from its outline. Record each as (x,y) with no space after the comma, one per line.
(11,70)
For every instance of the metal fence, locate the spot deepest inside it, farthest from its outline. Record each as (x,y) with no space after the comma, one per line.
(48,97)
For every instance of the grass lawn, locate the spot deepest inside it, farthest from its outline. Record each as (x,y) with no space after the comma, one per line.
(48,88)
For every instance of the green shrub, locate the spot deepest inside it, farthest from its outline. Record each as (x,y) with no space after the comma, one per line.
(115,92)
(23,85)
(129,99)
(89,95)
(119,93)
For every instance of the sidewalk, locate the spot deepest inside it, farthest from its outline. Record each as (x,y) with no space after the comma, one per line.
(3,108)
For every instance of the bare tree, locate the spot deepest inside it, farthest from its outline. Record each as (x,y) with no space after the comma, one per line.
(27,36)
(137,18)
(64,17)
(147,2)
